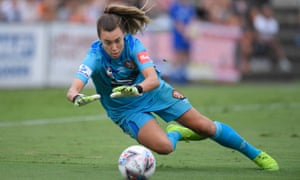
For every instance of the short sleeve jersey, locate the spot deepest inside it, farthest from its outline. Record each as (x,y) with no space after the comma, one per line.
(107,73)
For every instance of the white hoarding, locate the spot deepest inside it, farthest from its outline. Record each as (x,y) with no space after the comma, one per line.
(23,56)
(68,47)
(49,55)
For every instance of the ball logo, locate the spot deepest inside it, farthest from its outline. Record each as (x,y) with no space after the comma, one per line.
(137,162)
(143,57)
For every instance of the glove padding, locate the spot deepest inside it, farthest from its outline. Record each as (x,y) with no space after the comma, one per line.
(125,91)
(81,99)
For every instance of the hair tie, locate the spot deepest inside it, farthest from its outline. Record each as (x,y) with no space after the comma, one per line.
(107,11)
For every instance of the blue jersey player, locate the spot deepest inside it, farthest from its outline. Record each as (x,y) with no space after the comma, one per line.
(132,91)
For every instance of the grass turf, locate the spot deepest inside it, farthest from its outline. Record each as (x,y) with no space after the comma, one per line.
(42,136)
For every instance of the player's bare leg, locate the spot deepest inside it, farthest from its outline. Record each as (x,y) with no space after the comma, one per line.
(152,136)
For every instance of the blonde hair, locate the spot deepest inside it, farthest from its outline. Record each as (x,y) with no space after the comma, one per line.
(129,18)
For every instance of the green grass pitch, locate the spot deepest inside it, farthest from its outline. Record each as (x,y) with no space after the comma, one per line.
(44,137)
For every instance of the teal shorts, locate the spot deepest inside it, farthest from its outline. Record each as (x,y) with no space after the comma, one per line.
(132,123)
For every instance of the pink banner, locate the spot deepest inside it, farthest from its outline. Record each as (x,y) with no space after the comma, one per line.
(212,53)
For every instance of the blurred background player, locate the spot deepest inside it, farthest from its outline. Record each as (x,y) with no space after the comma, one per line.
(182,13)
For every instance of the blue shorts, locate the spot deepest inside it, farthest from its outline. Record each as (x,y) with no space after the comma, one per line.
(180,43)
(132,121)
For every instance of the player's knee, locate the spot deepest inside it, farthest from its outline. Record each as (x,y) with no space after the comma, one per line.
(164,148)
(206,129)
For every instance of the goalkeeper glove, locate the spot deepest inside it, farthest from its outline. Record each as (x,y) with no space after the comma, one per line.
(81,99)
(123,91)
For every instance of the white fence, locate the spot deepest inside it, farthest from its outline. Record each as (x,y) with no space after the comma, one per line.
(49,55)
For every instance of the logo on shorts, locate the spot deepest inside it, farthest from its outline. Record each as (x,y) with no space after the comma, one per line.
(178,95)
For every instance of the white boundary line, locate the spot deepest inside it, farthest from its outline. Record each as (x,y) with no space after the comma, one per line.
(212,109)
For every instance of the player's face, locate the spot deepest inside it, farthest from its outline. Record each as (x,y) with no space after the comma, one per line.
(113,42)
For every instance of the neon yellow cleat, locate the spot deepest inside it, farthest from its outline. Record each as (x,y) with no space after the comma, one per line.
(266,162)
(186,133)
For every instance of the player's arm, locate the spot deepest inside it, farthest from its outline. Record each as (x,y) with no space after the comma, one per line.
(151,80)
(76,97)
(75,89)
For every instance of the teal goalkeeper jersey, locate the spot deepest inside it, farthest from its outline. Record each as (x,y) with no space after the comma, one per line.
(107,73)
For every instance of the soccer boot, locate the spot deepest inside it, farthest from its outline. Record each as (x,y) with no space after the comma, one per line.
(186,133)
(266,162)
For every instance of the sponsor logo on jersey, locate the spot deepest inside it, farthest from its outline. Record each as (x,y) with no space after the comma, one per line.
(85,70)
(143,57)
(178,95)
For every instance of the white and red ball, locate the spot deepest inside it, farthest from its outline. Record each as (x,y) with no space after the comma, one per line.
(136,163)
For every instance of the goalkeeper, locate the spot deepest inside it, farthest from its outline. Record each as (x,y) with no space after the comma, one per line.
(131,91)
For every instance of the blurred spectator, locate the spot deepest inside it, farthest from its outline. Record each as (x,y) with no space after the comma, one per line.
(47,10)
(259,39)
(258,3)
(94,9)
(241,8)
(219,12)
(297,39)
(64,10)
(78,14)
(246,44)
(267,27)
(11,11)
(181,12)
(2,17)
(29,11)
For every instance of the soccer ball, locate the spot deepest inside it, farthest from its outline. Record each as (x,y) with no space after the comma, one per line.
(137,163)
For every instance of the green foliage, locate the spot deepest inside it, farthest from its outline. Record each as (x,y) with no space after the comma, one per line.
(43,136)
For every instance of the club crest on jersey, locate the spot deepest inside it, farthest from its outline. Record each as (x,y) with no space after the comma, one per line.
(130,64)
(85,70)
(143,57)
(109,72)
(178,95)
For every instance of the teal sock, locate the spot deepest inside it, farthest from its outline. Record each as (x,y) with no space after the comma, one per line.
(228,137)
(174,138)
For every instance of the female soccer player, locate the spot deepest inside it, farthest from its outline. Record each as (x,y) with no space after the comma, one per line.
(131,91)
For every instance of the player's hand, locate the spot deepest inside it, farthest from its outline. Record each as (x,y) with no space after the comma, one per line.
(81,99)
(123,91)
